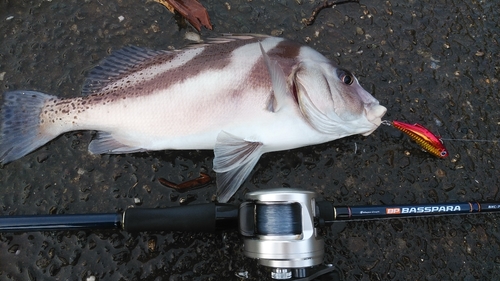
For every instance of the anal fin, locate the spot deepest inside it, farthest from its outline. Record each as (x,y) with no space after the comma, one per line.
(105,143)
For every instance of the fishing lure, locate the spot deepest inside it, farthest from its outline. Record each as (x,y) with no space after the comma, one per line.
(427,140)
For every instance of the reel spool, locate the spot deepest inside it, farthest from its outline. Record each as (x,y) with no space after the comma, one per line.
(278,229)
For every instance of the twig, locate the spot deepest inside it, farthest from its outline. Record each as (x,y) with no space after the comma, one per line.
(327,4)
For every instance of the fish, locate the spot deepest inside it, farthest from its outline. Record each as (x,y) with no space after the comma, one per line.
(239,95)
(423,137)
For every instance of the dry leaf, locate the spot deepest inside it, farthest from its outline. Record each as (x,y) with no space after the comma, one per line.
(192,10)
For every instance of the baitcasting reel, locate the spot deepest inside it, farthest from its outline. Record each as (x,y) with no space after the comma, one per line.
(279,230)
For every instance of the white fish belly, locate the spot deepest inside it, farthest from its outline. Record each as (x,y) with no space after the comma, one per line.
(173,121)
(186,116)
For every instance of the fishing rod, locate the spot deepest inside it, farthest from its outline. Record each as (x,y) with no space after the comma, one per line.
(279,226)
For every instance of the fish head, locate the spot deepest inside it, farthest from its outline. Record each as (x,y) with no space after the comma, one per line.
(333,101)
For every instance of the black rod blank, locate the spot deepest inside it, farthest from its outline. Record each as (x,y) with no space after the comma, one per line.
(60,222)
(329,213)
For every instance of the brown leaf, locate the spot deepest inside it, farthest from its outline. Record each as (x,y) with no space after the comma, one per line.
(192,10)
(202,180)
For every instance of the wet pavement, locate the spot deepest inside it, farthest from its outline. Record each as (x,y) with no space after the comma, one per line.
(431,62)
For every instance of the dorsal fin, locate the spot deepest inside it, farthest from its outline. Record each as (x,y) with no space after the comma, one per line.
(130,59)
(225,38)
(119,64)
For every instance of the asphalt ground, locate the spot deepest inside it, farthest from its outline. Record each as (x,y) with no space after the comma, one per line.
(431,62)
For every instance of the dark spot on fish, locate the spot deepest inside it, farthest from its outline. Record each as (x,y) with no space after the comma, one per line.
(62,102)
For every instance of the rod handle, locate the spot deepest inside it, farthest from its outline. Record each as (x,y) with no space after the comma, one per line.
(209,217)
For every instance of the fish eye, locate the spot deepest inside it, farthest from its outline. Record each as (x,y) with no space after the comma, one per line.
(345,76)
(444,153)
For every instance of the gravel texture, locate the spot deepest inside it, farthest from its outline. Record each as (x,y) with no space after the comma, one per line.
(431,62)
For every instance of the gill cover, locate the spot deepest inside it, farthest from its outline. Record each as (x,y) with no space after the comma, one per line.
(326,101)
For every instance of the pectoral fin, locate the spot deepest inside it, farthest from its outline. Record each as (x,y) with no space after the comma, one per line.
(105,143)
(233,162)
(278,79)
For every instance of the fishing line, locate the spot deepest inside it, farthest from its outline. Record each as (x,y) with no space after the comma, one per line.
(278,219)
(495,141)
(390,124)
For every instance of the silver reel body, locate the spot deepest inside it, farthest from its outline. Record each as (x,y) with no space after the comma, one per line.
(278,229)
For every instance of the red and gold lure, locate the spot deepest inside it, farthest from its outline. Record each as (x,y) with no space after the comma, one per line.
(427,140)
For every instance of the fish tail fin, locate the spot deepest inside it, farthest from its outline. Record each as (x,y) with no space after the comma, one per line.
(20,131)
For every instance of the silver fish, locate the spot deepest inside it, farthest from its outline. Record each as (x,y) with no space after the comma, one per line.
(241,96)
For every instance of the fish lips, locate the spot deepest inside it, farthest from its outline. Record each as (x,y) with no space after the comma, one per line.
(374,113)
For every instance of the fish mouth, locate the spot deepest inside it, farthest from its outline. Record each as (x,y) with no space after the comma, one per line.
(374,114)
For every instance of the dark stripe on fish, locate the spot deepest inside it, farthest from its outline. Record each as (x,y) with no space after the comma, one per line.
(114,70)
(285,53)
(214,56)
(285,49)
